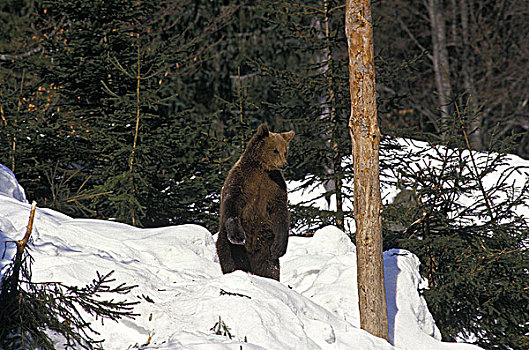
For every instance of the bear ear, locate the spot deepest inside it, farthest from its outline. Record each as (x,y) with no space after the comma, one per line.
(288,136)
(262,131)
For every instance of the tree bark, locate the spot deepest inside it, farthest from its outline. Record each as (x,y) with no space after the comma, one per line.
(474,127)
(13,283)
(365,138)
(440,57)
(337,170)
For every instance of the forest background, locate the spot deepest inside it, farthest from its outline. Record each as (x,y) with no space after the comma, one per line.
(136,110)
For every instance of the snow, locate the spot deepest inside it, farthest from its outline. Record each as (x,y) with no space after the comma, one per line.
(9,185)
(421,155)
(183,294)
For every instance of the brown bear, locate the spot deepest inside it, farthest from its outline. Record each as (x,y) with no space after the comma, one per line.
(254,217)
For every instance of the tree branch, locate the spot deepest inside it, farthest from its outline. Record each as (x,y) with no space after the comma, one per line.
(11,57)
(413,38)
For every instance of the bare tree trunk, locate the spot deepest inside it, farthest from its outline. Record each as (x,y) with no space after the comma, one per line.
(336,160)
(440,57)
(474,129)
(333,184)
(365,138)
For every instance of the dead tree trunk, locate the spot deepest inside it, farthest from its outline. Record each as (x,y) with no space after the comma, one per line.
(365,138)
(11,285)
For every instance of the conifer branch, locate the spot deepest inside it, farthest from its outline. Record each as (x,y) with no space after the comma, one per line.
(87,196)
(107,89)
(472,158)
(123,70)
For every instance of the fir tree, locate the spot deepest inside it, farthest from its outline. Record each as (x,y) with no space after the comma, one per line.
(30,311)
(130,126)
(469,238)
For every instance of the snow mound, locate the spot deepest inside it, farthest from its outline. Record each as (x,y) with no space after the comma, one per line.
(185,300)
(9,185)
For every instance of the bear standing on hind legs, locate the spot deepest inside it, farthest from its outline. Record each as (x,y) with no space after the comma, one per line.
(254,217)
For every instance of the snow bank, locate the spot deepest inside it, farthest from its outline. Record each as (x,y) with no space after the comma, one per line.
(421,155)
(183,294)
(184,297)
(9,185)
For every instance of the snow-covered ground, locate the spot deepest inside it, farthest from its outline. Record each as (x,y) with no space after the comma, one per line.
(183,294)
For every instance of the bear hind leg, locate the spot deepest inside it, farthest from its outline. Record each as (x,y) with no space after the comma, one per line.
(240,258)
(268,268)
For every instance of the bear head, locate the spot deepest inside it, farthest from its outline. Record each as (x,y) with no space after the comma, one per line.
(272,148)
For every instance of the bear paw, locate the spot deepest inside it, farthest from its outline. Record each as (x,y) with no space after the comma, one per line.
(235,231)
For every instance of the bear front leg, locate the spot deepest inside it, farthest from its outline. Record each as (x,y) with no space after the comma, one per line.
(279,247)
(230,210)
(280,221)
(234,231)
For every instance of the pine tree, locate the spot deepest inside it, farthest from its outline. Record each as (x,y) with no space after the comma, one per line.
(129,125)
(470,238)
(31,310)
(98,64)
(22,95)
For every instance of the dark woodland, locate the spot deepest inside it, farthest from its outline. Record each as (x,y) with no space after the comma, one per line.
(135,111)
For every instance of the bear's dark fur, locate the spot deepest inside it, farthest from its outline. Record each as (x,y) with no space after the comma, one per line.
(254,217)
